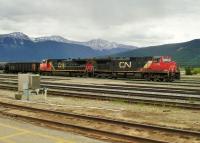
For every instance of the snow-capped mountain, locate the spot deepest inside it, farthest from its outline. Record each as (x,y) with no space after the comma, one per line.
(100,44)
(52,38)
(16,38)
(97,44)
(16,35)
(16,47)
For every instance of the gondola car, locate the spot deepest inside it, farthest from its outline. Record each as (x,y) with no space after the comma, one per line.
(2,65)
(22,67)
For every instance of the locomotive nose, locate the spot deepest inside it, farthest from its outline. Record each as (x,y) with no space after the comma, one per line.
(89,67)
(176,67)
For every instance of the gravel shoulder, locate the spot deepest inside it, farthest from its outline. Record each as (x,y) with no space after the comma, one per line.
(165,116)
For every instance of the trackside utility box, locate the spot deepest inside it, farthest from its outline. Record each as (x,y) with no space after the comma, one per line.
(34,82)
(28,81)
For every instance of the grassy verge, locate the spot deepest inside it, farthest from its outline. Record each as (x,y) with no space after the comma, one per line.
(192,71)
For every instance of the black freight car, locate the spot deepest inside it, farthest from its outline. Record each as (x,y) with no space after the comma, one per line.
(22,67)
(2,65)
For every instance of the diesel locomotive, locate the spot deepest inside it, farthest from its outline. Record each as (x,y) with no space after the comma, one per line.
(160,68)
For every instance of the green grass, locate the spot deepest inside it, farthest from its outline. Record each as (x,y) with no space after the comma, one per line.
(196,70)
(192,71)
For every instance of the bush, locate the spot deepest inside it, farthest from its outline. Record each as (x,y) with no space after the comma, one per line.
(188,71)
(196,71)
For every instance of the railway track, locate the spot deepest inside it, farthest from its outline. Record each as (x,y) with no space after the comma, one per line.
(126,91)
(189,102)
(99,127)
(134,93)
(194,91)
(184,83)
(134,86)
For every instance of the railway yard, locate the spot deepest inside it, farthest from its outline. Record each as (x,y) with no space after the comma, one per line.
(79,109)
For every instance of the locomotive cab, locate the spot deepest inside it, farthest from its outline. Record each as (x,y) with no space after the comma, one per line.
(45,66)
(162,68)
(163,63)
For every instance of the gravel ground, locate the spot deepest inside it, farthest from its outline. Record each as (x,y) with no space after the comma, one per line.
(166,116)
(96,81)
(15,131)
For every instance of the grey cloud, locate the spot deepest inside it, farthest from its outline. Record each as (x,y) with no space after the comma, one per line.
(141,22)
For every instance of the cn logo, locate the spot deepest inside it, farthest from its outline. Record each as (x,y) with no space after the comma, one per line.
(60,65)
(123,65)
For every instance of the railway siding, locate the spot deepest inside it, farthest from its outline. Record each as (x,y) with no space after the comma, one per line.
(143,122)
(128,130)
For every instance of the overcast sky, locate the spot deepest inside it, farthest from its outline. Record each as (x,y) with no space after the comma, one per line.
(135,22)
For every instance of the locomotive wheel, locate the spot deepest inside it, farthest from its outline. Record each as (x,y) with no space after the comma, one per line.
(148,78)
(97,76)
(157,78)
(161,79)
(114,76)
(110,76)
(167,79)
(50,73)
(171,79)
(89,74)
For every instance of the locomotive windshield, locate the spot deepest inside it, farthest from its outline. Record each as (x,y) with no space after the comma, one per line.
(43,61)
(166,59)
(156,60)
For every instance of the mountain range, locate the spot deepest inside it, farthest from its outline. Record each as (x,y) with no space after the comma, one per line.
(20,47)
(185,53)
(96,44)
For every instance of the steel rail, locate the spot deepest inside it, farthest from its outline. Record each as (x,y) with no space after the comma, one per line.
(107,121)
(109,97)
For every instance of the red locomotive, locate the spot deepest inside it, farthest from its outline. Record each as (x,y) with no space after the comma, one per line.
(160,68)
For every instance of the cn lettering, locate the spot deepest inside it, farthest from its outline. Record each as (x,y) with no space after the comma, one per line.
(124,65)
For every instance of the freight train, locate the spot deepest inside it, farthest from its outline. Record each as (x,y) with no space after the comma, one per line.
(159,68)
